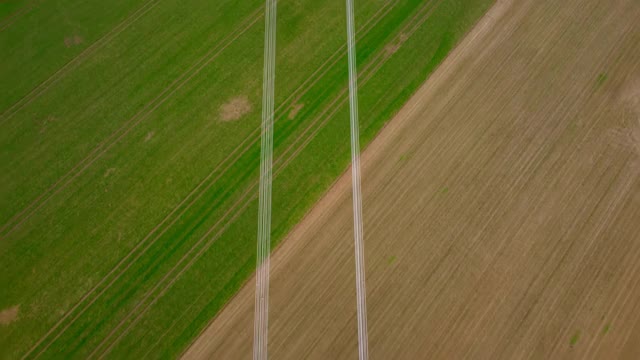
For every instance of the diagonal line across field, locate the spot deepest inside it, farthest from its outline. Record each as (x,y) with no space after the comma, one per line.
(66,68)
(198,191)
(521,174)
(335,105)
(11,19)
(283,105)
(13,223)
(241,205)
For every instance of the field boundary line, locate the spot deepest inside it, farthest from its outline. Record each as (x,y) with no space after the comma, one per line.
(195,190)
(90,50)
(208,244)
(277,117)
(129,125)
(13,219)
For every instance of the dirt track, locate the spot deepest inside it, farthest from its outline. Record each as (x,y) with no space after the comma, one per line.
(501,208)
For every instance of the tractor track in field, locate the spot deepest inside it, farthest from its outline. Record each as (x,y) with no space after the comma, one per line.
(128,126)
(583,94)
(66,68)
(12,18)
(299,92)
(255,140)
(340,100)
(528,167)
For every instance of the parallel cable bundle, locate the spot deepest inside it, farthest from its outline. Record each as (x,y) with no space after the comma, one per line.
(264,211)
(361,292)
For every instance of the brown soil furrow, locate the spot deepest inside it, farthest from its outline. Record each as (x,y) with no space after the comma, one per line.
(538,320)
(630,276)
(607,318)
(567,174)
(500,251)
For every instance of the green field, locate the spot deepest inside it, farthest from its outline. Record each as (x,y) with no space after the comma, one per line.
(128,204)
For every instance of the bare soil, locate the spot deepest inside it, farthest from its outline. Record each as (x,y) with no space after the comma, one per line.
(295,109)
(149,136)
(235,108)
(9,315)
(501,216)
(73,40)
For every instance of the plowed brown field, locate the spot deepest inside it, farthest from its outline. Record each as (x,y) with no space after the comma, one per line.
(502,208)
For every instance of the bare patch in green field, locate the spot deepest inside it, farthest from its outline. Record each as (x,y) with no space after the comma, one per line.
(235,108)
(391,49)
(109,172)
(46,122)
(295,109)
(74,40)
(7,316)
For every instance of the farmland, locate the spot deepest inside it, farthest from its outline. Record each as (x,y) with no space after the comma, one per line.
(129,150)
(501,208)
